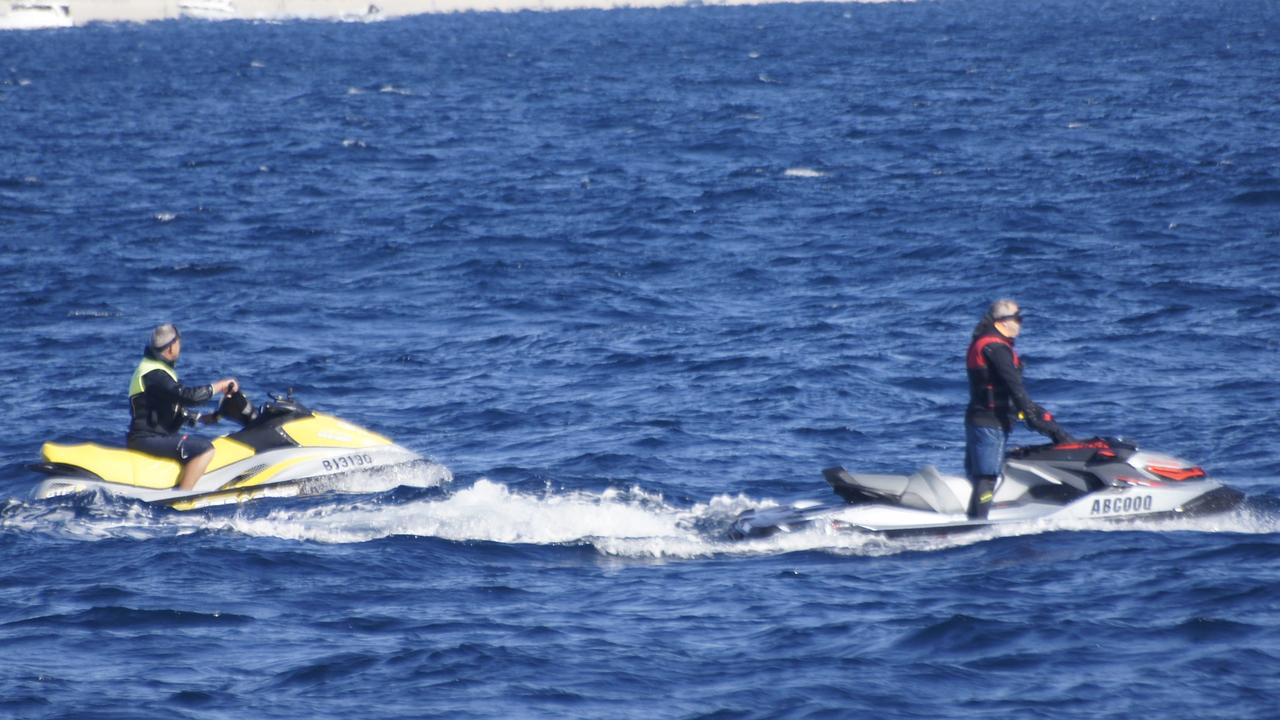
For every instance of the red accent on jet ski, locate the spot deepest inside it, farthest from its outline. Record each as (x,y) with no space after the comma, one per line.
(1177,474)
(1087,445)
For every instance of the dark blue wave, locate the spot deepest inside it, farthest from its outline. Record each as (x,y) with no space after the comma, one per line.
(624,274)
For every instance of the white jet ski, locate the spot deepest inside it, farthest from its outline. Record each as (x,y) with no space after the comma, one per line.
(284,448)
(1096,479)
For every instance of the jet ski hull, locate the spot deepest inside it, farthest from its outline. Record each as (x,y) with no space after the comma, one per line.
(286,449)
(1102,480)
(270,474)
(893,521)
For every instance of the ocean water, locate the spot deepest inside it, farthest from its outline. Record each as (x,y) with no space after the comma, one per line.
(621,275)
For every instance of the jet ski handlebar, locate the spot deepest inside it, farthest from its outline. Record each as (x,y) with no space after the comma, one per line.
(1107,446)
(236,407)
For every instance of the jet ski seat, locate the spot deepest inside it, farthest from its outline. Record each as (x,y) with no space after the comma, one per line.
(926,490)
(929,485)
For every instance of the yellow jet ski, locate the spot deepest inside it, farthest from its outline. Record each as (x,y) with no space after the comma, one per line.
(284,448)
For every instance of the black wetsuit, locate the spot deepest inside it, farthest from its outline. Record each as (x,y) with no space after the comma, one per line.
(996,393)
(158,414)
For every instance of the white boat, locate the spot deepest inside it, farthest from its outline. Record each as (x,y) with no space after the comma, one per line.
(207,9)
(371,13)
(34,16)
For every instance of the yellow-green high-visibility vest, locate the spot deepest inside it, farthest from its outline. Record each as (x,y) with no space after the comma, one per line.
(147,365)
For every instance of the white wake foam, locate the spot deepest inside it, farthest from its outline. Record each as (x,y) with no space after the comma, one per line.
(484,512)
(631,523)
(803,172)
(637,524)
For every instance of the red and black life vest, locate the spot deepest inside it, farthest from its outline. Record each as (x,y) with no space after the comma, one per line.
(985,393)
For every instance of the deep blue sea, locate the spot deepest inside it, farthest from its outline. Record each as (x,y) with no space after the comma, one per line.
(622,274)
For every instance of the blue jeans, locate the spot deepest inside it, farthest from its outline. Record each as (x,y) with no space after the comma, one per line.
(983,450)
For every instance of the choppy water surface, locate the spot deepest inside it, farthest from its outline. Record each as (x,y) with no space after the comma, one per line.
(621,275)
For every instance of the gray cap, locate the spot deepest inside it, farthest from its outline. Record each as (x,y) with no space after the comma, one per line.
(163,336)
(1003,308)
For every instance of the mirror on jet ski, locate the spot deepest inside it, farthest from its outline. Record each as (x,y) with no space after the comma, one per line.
(283,405)
(237,408)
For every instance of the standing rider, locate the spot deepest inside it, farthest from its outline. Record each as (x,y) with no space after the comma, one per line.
(995,392)
(156,401)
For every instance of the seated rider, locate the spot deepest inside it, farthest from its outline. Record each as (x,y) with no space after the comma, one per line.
(156,405)
(995,393)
